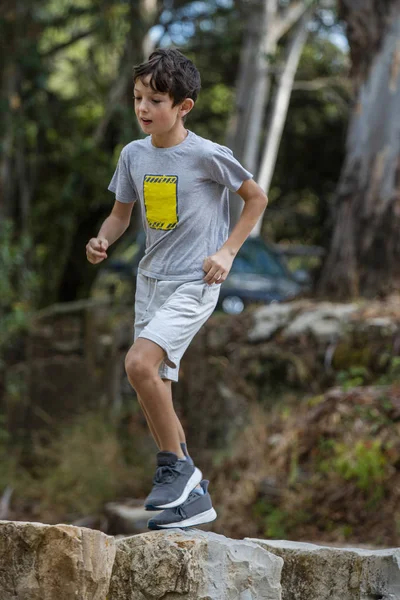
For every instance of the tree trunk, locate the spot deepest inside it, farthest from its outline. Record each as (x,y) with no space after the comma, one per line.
(364,256)
(142,16)
(250,58)
(265,27)
(260,86)
(10,88)
(279,111)
(21,33)
(12,22)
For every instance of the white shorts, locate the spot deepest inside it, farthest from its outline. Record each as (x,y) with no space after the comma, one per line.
(170,313)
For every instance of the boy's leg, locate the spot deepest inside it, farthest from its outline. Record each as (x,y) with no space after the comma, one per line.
(142,363)
(149,423)
(181,433)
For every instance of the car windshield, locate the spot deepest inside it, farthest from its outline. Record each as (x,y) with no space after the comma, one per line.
(256,259)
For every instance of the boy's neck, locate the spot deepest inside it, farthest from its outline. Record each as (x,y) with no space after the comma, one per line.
(172,138)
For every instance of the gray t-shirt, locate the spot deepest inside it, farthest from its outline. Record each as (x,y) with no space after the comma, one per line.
(184,200)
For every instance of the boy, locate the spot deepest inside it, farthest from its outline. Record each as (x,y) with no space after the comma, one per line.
(181,181)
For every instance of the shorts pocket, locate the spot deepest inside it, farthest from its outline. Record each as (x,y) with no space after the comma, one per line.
(145,298)
(209,291)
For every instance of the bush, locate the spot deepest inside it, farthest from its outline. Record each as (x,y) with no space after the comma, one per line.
(365,462)
(19,283)
(80,468)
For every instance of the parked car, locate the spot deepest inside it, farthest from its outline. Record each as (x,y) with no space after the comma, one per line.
(258,274)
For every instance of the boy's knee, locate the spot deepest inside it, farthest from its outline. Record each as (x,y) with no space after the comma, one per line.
(137,366)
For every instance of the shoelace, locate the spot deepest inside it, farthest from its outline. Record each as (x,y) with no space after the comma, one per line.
(179,510)
(165,474)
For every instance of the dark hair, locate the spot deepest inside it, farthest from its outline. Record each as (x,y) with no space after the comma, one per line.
(170,72)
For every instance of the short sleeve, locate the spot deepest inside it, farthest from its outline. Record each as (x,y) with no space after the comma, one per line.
(226,170)
(121,183)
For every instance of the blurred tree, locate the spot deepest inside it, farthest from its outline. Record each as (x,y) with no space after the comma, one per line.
(65,97)
(312,149)
(305,177)
(280,108)
(267,22)
(364,255)
(73,112)
(19,34)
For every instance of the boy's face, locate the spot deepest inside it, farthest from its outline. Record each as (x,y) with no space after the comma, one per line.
(154,110)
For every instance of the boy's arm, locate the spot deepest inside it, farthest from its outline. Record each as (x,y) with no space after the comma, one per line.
(219,264)
(112,229)
(117,222)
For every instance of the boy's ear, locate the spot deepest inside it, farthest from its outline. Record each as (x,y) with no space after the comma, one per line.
(186,107)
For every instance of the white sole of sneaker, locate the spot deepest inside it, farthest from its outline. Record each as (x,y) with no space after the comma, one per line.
(205,517)
(191,484)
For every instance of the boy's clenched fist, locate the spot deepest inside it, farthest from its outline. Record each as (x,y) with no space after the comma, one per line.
(96,250)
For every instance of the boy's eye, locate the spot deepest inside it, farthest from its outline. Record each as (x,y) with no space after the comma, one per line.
(139,98)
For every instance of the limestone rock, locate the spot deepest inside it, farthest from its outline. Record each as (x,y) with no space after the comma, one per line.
(268,319)
(325,322)
(384,325)
(322,572)
(54,562)
(193,565)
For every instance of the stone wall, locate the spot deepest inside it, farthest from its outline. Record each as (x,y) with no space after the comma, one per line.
(65,562)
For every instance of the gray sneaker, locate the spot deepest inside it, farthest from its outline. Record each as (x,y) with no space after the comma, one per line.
(173,482)
(196,510)
(185,452)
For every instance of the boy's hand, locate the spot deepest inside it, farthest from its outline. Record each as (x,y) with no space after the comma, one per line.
(217,266)
(96,250)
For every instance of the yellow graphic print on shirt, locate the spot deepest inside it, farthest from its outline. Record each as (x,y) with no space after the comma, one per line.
(161,201)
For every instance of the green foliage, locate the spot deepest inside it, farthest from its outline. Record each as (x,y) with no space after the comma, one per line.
(392,374)
(353,377)
(220,38)
(365,463)
(305,178)
(315,400)
(15,389)
(19,283)
(278,523)
(213,109)
(80,468)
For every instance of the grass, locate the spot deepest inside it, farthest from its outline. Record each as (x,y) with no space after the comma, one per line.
(78,470)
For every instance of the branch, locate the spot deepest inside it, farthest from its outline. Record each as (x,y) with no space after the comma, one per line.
(294,13)
(72,12)
(72,40)
(189,18)
(280,109)
(334,95)
(68,308)
(281,104)
(322,82)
